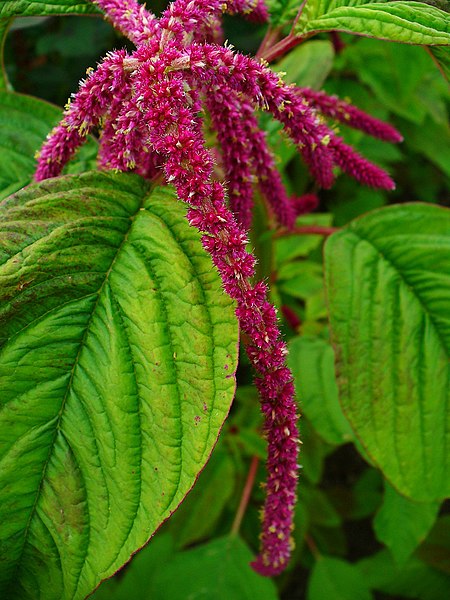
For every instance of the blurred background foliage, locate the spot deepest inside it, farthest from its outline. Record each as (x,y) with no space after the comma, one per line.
(356,537)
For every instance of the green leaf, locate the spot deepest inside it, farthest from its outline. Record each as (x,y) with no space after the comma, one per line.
(330,541)
(134,582)
(409,22)
(426,138)
(30,8)
(24,124)
(410,93)
(402,524)
(300,279)
(385,69)
(282,11)
(309,64)
(313,452)
(337,579)
(312,363)
(320,509)
(201,510)
(117,358)
(293,246)
(214,571)
(414,580)
(388,276)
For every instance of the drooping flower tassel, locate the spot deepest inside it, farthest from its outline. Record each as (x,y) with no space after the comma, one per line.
(188,165)
(83,113)
(335,108)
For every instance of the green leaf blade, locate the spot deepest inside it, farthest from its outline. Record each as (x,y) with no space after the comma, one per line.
(118,357)
(24,124)
(31,8)
(312,363)
(335,578)
(388,296)
(213,571)
(397,20)
(402,524)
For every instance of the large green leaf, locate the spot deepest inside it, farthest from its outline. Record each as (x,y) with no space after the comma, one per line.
(309,64)
(202,509)
(410,22)
(415,580)
(215,571)
(312,363)
(388,280)
(117,358)
(27,8)
(402,524)
(337,579)
(282,11)
(385,68)
(24,124)
(135,582)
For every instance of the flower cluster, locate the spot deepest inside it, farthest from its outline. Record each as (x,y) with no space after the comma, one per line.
(149,106)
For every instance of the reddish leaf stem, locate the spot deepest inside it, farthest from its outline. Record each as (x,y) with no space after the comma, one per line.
(245,495)
(305,230)
(285,44)
(312,546)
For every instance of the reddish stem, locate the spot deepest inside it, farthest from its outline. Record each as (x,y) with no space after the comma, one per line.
(285,44)
(305,230)
(338,43)
(245,495)
(269,39)
(281,48)
(312,546)
(291,317)
(297,17)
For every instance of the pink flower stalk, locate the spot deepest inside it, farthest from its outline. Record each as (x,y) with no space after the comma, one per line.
(225,111)
(130,18)
(306,204)
(334,107)
(149,105)
(247,158)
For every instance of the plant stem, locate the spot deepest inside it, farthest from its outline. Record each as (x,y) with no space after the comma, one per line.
(246,492)
(281,48)
(269,39)
(285,44)
(312,546)
(306,230)
(297,17)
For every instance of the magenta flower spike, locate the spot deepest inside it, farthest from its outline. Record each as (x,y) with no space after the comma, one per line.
(228,121)
(130,18)
(82,114)
(334,107)
(149,106)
